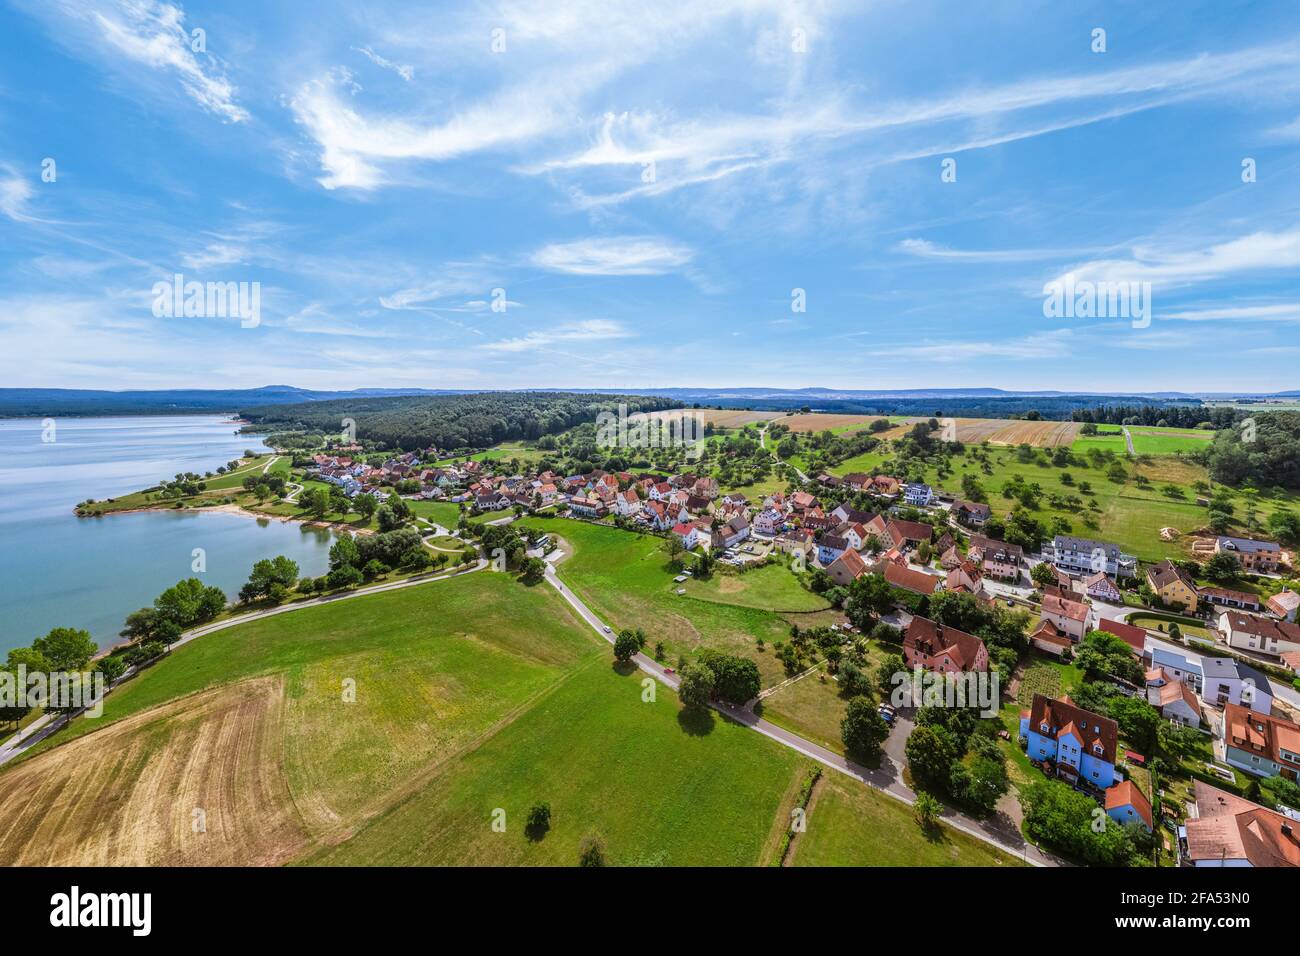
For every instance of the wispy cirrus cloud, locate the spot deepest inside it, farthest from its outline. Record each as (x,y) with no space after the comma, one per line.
(405,71)
(613,256)
(148,33)
(588,330)
(1257,252)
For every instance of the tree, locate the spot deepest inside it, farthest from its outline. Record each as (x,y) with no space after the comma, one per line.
(534,570)
(591,851)
(345,550)
(1102,654)
(317,502)
(889,666)
(1223,567)
(737,680)
(1043,574)
(266,575)
(853,680)
(66,648)
(190,602)
(696,687)
(112,667)
(863,730)
(926,811)
(626,646)
(539,818)
(365,506)
(930,755)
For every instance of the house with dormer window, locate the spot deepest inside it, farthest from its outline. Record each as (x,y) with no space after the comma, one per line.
(1080,744)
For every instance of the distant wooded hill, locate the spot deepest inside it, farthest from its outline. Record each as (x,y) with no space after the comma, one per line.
(450,421)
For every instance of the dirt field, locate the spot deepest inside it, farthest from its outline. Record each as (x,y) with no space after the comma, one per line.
(1000,431)
(127,796)
(720,418)
(819,421)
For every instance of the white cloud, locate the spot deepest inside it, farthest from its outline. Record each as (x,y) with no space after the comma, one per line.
(401,69)
(15,191)
(1257,252)
(155,35)
(925,249)
(589,330)
(613,256)
(1046,345)
(1282,312)
(215,254)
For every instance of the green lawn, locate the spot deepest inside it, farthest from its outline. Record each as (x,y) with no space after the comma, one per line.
(811,707)
(625,577)
(467,627)
(445,513)
(656,789)
(852,825)
(773,587)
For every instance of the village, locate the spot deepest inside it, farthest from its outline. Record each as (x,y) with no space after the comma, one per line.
(1201,656)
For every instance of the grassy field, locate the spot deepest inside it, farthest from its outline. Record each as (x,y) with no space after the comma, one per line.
(656,790)
(626,578)
(852,825)
(811,707)
(1129,514)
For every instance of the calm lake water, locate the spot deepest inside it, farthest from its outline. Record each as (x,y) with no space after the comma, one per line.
(61,570)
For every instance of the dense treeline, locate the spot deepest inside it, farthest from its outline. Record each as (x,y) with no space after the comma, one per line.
(1171,415)
(1263,450)
(1045,407)
(451,421)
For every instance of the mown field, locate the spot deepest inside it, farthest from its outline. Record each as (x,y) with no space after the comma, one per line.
(852,825)
(654,789)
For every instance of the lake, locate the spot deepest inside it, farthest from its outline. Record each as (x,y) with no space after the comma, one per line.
(62,570)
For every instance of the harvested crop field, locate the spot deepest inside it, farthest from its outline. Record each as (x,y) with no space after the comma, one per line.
(1001,431)
(195,782)
(719,418)
(820,421)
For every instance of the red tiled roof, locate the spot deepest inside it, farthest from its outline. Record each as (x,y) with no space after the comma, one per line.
(1090,728)
(1125,795)
(1134,637)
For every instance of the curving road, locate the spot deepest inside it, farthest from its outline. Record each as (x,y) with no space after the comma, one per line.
(1003,833)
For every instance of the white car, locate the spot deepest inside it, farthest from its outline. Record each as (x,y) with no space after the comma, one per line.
(607,629)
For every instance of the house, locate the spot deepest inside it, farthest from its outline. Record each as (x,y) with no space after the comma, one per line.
(1180,667)
(847,568)
(950,559)
(941,649)
(857,480)
(1050,639)
(1223,829)
(855,534)
(769,521)
(1226,597)
(1261,744)
(1135,637)
(730,533)
(966,578)
(996,558)
(918,582)
(846,513)
(1126,804)
(1080,743)
(627,503)
(884,486)
(1071,617)
(918,495)
(1101,588)
(1084,554)
(973,514)
(1174,699)
(1227,680)
(661,491)
(690,534)
(1253,556)
(1173,586)
(1259,634)
(905,534)
(795,540)
(830,547)
(588,507)
(492,501)
(801,501)
(1284,604)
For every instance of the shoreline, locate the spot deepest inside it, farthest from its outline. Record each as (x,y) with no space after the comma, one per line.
(235,509)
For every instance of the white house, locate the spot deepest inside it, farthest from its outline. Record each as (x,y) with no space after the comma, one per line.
(917,494)
(1227,680)
(769,521)
(1259,634)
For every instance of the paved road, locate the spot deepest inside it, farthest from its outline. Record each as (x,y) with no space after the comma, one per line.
(46,724)
(1001,831)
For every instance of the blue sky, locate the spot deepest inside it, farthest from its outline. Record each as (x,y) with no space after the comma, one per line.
(646,185)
